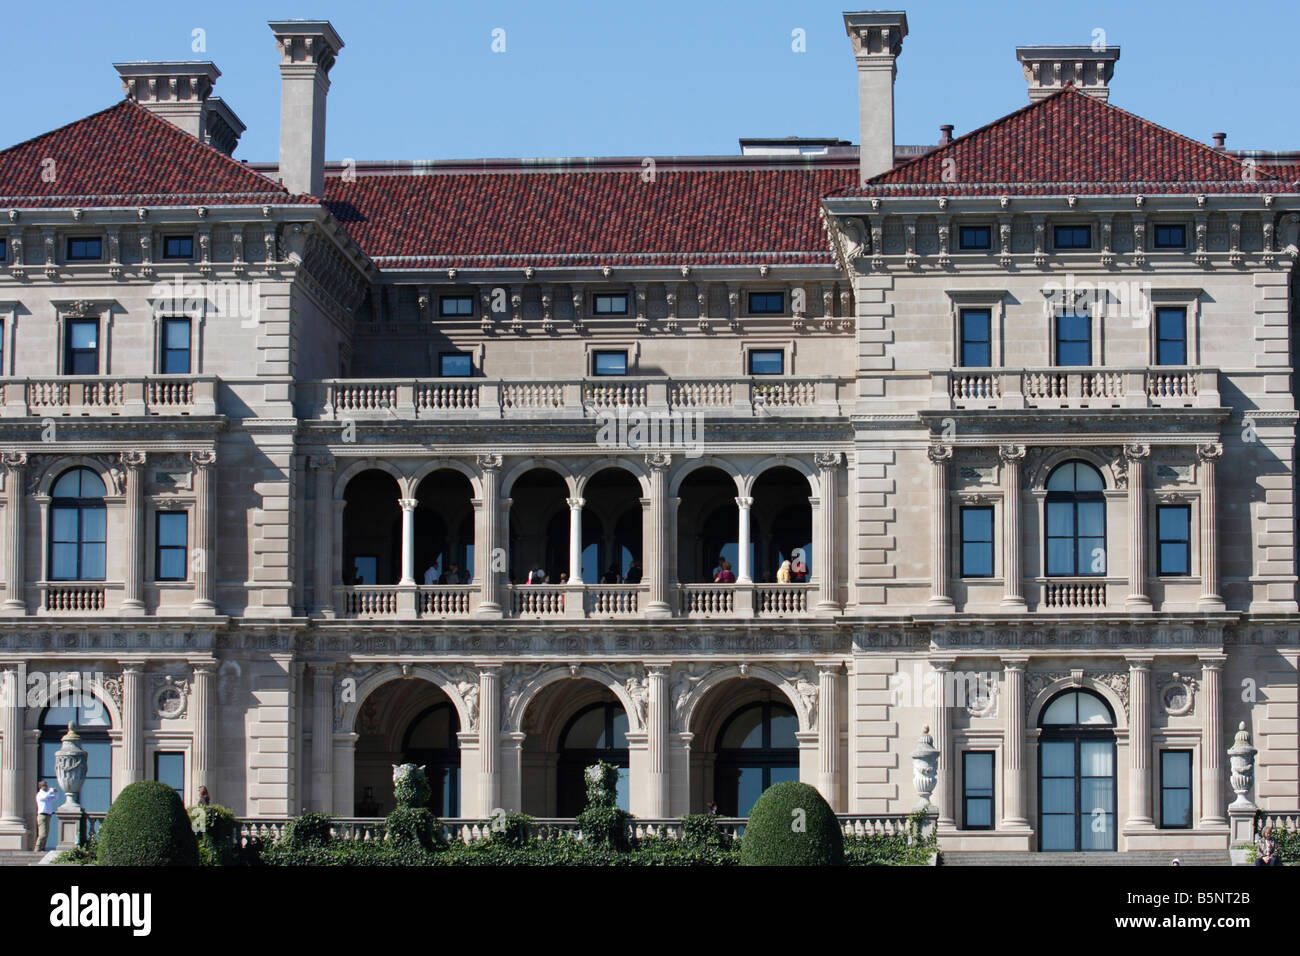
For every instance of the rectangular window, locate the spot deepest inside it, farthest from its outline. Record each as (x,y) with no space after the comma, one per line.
(81,347)
(1174,540)
(609,363)
(977,789)
(450,305)
(455,365)
(1073,340)
(4,249)
(1171,336)
(976,338)
(169,768)
(84,248)
(178,247)
(1176,789)
(171,545)
(1072,237)
(175,346)
(1170,236)
(607,304)
(766,362)
(2,346)
(975,237)
(766,303)
(977,542)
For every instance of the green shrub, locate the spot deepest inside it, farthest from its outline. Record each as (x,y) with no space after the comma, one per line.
(702,830)
(414,827)
(792,825)
(603,823)
(217,831)
(511,829)
(410,785)
(147,826)
(308,829)
(84,855)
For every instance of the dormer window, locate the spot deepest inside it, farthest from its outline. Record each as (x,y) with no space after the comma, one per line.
(606,303)
(975,238)
(1170,236)
(766,303)
(178,247)
(85,248)
(1072,237)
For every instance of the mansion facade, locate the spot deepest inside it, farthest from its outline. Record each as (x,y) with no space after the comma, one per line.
(728,470)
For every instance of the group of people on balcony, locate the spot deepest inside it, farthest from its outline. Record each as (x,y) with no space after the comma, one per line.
(790,572)
(633,575)
(452,575)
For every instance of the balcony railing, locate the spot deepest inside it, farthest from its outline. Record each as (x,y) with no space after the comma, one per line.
(1074,594)
(391,601)
(441,398)
(1162,386)
(75,598)
(67,395)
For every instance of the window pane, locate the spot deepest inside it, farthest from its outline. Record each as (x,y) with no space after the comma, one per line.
(1058,794)
(1174,522)
(1060,560)
(83,335)
(1091,556)
(178,247)
(979,772)
(171,564)
(94,524)
(610,305)
(172,527)
(1176,808)
(1093,710)
(92,562)
(456,305)
(767,302)
(63,562)
(169,768)
(1087,478)
(745,729)
(766,362)
(975,237)
(1058,832)
(749,787)
(1092,518)
(176,333)
(455,365)
(1062,710)
(63,524)
(784,727)
(1060,519)
(611,363)
(1176,768)
(1174,559)
(979,813)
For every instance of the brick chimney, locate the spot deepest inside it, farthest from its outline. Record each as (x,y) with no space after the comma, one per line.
(181,93)
(307,52)
(1048,68)
(877,38)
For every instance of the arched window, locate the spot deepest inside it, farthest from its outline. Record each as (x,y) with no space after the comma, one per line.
(1076,773)
(431,742)
(92,722)
(78,527)
(756,748)
(597,732)
(1076,521)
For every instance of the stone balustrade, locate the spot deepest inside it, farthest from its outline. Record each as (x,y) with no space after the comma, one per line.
(405,399)
(1076,387)
(67,395)
(1074,594)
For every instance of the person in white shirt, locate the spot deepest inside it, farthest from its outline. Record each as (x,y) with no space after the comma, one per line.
(46,800)
(431,574)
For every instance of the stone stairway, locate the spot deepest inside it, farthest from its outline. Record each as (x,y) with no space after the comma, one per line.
(1131,858)
(20,857)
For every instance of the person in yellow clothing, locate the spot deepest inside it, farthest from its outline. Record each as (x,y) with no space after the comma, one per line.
(783,573)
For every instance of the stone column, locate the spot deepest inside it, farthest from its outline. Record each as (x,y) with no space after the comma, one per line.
(323,573)
(1137,502)
(489,729)
(15,464)
(133,571)
(655,537)
(941,543)
(829,768)
(1212,808)
(486,537)
(575,540)
(13,689)
(1139,742)
(659,728)
(408,540)
(132,723)
(1013,597)
(201,714)
(1209,454)
(322,738)
(943,742)
(743,571)
(1014,781)
(829,466)
(204,554)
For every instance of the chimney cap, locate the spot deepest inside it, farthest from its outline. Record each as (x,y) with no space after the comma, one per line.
(1220,140)
(199,70)
(945,134)
(307,28)
(861,25)
(1051,68)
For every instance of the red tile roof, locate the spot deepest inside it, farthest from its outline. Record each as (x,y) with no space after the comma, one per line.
(1070,142)
(588,218)
(127,156)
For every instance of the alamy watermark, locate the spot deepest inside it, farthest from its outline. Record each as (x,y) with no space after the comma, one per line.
(635,429)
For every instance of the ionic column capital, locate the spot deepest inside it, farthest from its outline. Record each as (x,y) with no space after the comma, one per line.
(939,454)
(1209,451)
(204,459)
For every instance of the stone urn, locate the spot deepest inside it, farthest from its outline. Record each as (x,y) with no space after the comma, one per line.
(1242,757)
(925,765)
(70,768)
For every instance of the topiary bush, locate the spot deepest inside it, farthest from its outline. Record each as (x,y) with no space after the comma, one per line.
(410,785)
(308,829)
(792,825)
(701,830)
(603,823)
(414,827)
(510,829)
(147,826)
(217,832)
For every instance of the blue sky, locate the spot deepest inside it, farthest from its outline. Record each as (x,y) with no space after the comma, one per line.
(420,80)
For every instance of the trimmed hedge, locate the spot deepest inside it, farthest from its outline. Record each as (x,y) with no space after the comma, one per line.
(413,827)
(147,826)
(792,825)
(216,829)
(307,830)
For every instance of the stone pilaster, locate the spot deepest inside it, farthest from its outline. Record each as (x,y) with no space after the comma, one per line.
(204,729)
(1013,597)
(13,687)
(15,465)
(487,538)
(323,571)
(941,543)
(1212,749)
(132,723)
(322,738)
(489,729)
(943,742)
(1209,455)
(133,463)
(830,770)
(656,536)
(1139,741)
(204,555)
(659,716)
(828,465)
(1014,778)
(1137,600)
